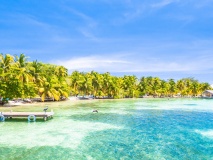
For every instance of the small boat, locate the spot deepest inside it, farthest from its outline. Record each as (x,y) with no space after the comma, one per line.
(85,97)
(72,98)
(14,103)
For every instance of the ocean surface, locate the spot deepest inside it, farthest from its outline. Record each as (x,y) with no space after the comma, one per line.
(129,129)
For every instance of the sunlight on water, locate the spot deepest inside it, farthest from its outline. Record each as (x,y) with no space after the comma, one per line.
(180,104)
(207,133)
(122,129)
(66,133)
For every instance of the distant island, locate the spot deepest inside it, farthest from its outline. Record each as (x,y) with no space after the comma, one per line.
(20,78)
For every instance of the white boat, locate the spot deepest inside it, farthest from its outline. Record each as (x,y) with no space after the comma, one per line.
(14,103)
(85,97)
(72,98)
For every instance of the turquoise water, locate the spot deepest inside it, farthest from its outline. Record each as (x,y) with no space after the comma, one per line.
(123,129)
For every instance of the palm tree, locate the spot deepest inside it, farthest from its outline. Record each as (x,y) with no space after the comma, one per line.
(181,86)
(188,83)
(61,72)
(20,78)
(76,79)
(164,88)
(22,69)
(97,81)
(143,86)
(205,86)
(172,87)
(130,86)
(156,82)
(150,84)
(86,84)
(8,85)
(116,87)
(119,89)
(22,74)
(48,89)
(107,84)
(195,88)
(35,69)
(63,89)
(6,62)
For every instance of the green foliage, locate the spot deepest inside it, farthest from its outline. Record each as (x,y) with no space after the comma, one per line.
(22,79)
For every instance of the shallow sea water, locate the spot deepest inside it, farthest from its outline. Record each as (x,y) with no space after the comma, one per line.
(154,129)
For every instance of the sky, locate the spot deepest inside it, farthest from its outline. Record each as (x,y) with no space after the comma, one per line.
(164,38)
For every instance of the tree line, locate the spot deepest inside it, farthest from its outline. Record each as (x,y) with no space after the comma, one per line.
(20,78)
(101,85)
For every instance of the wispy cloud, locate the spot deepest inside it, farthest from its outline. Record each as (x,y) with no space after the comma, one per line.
(112,64)
(30,25)
(88,25)
(193,56)
(134,13)
(138,9)
(163,3)
(19,19)
(98,63)
(88,34)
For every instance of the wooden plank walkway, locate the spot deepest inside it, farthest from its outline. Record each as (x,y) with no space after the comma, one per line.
(44,115)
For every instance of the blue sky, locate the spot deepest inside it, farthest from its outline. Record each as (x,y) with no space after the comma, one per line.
(165,38)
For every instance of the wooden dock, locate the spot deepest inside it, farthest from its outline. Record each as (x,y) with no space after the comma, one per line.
(31,115)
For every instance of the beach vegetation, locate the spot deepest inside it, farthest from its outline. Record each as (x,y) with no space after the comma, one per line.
(20,78)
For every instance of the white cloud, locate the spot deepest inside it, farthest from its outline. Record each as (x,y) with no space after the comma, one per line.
(153,56)
(113,63)
(97,63)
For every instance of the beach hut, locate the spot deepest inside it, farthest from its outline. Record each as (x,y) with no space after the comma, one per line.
(207,94)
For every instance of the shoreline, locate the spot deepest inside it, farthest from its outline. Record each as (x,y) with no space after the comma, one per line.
(75,99)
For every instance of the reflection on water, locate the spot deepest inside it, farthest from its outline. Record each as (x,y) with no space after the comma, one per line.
(123,129)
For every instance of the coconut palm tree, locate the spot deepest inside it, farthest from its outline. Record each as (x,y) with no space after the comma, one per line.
(61,72)
(115,88)
(9,85)
(47,89)
(156,82)
(130,86)
(150,84)
(22,74)
(172,87)
(107,84)
(35,69)
(164,88)
(143,86)
(76,79)
(97,82)
(22,70)
(6,62)
(195,88)
(85,86)
(181,86)
(205,86)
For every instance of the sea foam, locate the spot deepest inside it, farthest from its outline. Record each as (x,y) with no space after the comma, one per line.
(206,133)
